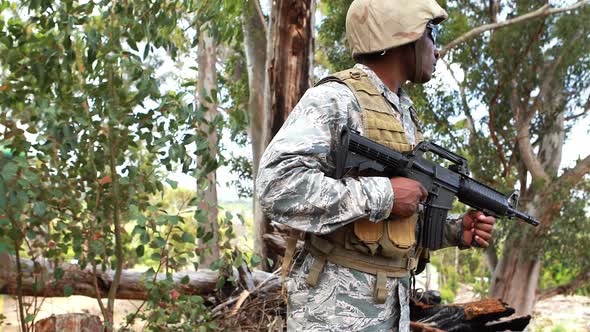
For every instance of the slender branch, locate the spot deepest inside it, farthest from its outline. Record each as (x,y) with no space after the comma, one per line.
(580,280)
(466,108)
(19,287)
(103,310)
(550,76)
(524,139)
(496,141)
(132,319)
(543,11)
(574,175)
(118,229)
(585,111)
(573,117)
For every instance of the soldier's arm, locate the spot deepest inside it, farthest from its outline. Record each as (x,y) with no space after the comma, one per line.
(293,183)
(453,232)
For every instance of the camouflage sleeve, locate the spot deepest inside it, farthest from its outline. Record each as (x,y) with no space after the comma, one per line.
(453,232)
(294,186)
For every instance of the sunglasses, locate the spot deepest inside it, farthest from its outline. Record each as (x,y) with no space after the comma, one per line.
(432,31)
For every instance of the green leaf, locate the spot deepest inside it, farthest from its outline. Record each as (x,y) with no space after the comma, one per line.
(144,238)
(174,220)
(185,280)
(196,299)
(159,242)
(140,250)
(217,264)
(3,247)
(255,260)
(146,50)
(188,238)
(9,170)
(58,273)
(29,318)
(68,290)
(172,183)
(132,44)
(39,209)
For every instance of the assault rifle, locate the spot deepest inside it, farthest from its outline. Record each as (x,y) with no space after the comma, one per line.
(443,184)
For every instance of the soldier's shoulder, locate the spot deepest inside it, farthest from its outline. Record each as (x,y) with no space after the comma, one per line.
(330,91)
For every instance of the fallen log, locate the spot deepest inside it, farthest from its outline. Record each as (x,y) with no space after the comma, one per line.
(38,280)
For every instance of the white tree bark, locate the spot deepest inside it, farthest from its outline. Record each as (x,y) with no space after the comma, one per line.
(255,32)
(206,60)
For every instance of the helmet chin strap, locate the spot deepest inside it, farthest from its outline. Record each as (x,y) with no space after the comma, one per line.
(418,51)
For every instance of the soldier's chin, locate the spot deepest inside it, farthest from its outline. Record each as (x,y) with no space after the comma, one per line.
(425,77)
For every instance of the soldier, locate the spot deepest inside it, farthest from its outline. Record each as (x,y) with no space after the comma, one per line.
(360,231)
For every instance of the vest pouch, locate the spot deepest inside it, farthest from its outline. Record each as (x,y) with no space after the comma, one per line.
(386,129)
(369,233)
(401,236)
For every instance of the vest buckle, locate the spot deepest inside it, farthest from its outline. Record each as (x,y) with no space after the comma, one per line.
(410,263)
(355,74)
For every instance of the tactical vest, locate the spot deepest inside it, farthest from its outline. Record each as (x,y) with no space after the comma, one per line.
(387,248)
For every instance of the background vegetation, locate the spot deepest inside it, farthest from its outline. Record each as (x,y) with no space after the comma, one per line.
(101,101)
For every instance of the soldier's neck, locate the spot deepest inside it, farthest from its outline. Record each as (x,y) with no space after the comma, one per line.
(395,67)
(392,73)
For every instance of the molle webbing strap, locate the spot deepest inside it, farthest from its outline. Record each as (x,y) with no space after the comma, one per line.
(380,291)
(392,267)
(289,252)
(288,257)
(381,267)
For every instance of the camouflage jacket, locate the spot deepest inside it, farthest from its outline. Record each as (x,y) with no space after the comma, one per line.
(294,184)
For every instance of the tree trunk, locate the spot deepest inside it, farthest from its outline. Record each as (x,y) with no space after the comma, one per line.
(516,276)
(38,280)
(288,66)
(255,48)
(207,83)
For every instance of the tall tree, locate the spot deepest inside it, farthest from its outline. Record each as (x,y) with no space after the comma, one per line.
(278,77)
(207,163)
(540,80)
(288,68)
(255,34)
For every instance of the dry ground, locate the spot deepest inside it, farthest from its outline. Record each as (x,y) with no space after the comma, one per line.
(557,314)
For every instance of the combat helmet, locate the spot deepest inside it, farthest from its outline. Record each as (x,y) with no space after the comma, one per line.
(377,25)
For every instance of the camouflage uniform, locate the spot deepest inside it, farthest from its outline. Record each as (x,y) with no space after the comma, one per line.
(295,188)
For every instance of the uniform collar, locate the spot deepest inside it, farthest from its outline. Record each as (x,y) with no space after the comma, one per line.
(392,97)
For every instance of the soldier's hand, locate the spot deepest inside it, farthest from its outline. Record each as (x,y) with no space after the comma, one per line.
(478,227)
(407,194)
